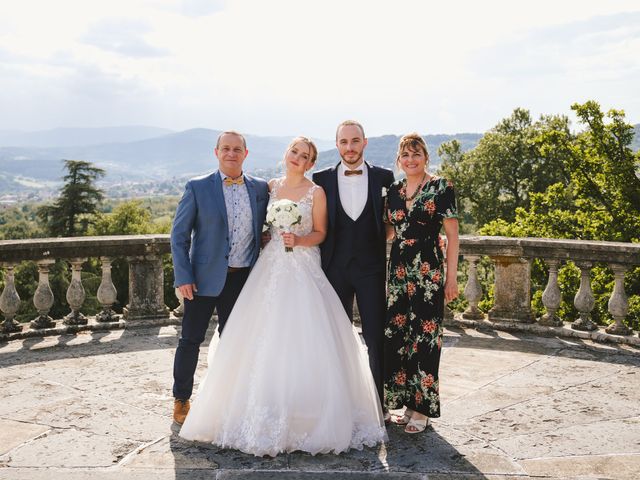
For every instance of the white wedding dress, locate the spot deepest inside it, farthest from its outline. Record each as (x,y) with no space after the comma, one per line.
(289,372)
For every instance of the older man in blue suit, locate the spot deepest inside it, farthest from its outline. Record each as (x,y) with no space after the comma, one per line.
(215,240)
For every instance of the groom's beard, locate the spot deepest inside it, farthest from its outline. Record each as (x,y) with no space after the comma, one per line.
(353,160)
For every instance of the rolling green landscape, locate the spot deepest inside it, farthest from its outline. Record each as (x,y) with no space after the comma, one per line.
(525,177)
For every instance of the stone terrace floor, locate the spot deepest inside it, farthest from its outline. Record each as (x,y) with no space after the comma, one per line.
(98,405)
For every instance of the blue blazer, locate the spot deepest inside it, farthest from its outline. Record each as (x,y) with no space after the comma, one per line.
(199,236)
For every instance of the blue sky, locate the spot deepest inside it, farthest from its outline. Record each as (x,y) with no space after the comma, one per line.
(287,67)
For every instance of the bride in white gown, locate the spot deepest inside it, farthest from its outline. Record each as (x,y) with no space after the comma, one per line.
(290,372)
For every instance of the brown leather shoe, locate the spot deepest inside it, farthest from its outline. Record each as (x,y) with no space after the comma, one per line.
(180,410)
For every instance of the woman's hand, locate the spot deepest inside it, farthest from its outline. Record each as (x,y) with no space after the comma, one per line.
(290,239)
(450,289)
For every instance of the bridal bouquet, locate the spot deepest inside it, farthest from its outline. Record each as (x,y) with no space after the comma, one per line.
(284,214)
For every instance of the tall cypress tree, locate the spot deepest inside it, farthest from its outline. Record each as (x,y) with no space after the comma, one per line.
(79,198)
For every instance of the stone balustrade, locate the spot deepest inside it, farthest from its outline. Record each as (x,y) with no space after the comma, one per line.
(511,258)
(146,277)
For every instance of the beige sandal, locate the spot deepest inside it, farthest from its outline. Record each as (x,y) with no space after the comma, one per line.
(401,420)
(416,426)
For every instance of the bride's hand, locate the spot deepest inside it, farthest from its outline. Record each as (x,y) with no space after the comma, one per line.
(290,239)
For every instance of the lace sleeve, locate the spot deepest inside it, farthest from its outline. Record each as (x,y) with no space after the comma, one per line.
(274,186)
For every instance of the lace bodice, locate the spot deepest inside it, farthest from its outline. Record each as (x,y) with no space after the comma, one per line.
(305,204)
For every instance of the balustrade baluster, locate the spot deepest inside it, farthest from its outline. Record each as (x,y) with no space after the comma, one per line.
(76,294)
(107,293)
(618,303)
(43,296)
(551,297)
(9,302)
(584,300)
(473,290)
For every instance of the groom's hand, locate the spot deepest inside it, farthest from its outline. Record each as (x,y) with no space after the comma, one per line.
(187,290)
(265,238)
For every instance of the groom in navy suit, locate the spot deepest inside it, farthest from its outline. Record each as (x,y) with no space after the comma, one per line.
(215,240)
(354,251)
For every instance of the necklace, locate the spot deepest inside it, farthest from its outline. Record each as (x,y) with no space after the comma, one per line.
(418,188)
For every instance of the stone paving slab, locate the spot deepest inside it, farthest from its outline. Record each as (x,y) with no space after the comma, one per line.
(13,434)
(97,405)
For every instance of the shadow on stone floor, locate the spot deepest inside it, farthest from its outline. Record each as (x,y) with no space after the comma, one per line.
(89,343)
(402,454)
(32,350)
(574,348)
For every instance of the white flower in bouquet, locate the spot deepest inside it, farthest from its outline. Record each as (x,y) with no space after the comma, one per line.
(282,215)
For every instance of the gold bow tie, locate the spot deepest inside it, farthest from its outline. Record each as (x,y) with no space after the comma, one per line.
(230,181)
(348,173)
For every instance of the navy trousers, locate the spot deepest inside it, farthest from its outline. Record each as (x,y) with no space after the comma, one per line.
(195,321)
(369,288)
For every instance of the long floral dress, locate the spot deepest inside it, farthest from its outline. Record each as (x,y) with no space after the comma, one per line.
(415,295)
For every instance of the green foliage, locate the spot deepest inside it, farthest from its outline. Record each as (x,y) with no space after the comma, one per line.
(514,159)
(19,222)
(128,218)
(456,169)
(599,199)
(72,212)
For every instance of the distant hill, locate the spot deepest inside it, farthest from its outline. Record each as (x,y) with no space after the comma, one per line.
(165,156)
(172,156)
(382,150)
(69,137)
(636,138)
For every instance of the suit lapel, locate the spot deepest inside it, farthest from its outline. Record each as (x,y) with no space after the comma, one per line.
(216,178)
(251,188)
(332,195)
(375,189)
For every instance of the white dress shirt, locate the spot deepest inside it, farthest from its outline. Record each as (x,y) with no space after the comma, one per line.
(353,190)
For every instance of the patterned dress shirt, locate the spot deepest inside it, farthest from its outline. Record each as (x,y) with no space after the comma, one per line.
(240,220)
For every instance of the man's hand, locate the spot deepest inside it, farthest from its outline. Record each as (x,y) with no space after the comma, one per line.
(265,238)
(187,290)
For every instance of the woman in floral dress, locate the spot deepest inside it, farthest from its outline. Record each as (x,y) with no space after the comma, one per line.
(417,207)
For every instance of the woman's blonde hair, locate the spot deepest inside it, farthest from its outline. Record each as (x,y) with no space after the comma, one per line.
(414,142)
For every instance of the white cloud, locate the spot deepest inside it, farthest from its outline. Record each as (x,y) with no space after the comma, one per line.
(122,36)
(289,66)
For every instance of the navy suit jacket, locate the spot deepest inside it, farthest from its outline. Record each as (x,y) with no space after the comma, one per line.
(379,178)
(200,233)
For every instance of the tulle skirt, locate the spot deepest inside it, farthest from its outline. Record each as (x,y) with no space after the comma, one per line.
(289,372)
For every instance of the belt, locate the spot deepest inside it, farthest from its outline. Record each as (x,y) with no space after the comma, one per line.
(236,269)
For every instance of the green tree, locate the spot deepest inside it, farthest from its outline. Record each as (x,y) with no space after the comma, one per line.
(510,162)
(71,213)
(599,201)
(128,218)
(603,172)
